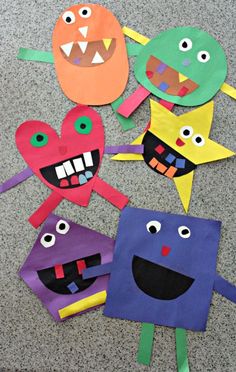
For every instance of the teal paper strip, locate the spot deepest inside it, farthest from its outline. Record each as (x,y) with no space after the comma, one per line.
(133,49)
(126,123)
(181,350)
(35,55)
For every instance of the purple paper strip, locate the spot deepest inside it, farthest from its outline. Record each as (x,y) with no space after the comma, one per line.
(15,180)
(161,68)
(124,149)
(99,270)
(225,288)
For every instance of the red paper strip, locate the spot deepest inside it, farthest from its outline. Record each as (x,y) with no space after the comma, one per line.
(112,195)
(81,265)
(133,101)
(59,272)
(166,104)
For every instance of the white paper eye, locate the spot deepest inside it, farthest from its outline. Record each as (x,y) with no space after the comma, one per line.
(186,132)
(68,17)
(184,232)
(198,140)
(48,240)
(185,44)
(85,12)
(62,227)
(153,227)
(203,56)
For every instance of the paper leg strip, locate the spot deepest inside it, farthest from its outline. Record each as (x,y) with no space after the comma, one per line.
(108,192)
(83,305)
(146,343)
(99,270)
(181,350)
(133,49)
(132,102)
(225,288)
(227,89)
(15,180)
(166,104)
(35,55)
(184,187)
(135,35)
(126,123)
(124,149)
(45,209)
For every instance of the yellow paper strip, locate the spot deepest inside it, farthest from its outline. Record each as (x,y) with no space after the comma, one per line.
(82,305)
(227,89)
(135,36)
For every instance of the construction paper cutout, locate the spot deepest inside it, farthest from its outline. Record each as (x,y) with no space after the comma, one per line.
(35,55)
(97,271)
(133,49)
(132,102)
(134,149)
(79,243)
(227,89)
(185,137)
(146,344)
(89,53)
(166,104)
(70,171)
(135,35)
(126,123)
(15,180)
(187,237)
(225,288)
(181,350)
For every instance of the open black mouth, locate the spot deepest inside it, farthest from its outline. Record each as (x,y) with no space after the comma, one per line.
(163,159)
(67,278)
(72,172)
(157,281)
(167,79)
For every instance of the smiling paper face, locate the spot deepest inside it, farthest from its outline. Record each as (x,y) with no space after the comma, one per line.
(53,269)
(183,65)
(163,269)
(68,164)
(89,51)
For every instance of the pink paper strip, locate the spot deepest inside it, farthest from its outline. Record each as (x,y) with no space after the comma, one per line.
(112,195)
(124,149)
(15,180)
(132,102)
(166,104)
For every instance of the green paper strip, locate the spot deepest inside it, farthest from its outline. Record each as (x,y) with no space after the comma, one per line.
(35,55)
(181,350)
(126,123)
(145,343)
(133,49)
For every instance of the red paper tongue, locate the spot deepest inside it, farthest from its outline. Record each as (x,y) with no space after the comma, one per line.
(179,142)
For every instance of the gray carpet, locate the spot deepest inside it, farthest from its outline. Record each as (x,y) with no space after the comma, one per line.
(30,339)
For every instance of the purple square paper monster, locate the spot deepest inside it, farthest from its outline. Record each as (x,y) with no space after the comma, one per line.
(53,269)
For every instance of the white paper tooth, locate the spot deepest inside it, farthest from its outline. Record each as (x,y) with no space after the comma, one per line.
(78,164)
(83,31)
(97,58)
(68,168)
(88,159)
(60,171)
(83,46)
(67,48)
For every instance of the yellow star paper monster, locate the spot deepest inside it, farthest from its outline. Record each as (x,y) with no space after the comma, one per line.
(175,145)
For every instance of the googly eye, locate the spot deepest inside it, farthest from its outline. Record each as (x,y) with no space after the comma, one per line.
(198,140)
(153,227)
(48,240)
(186,132)
(185,44)
(184,232)
(203,56)
(85,12)
(62,227)
(68,17)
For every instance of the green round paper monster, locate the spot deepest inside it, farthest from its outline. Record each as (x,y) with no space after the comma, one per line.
(183,65)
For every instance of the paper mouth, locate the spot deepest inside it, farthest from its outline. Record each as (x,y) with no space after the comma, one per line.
(88,53)
(163,159)
(72,172)
(167,79)
(158,281)
(67,278)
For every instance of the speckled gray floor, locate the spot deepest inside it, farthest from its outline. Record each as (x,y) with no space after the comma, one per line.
(30,339)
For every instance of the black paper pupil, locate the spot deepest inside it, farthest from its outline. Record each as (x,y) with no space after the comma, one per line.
(39,138)
(186,132)
(185,231)
(184,44)
(84,12)
(203,56)
(198,140)
(82,126)
(68,19)
(48,238)
(62,226)
(152,229)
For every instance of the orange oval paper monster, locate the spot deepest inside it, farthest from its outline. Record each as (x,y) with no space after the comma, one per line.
(90,55)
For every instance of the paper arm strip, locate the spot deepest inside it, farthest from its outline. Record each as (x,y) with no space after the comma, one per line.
(132,102)
(168,105)
(227,89)
(98,270)
(135,36)
(225,288)
(133,49)
(45,209)
(15,180)
(108,192)
(146,343)
(124,149)
(35,55)
(181,350)
(126,123)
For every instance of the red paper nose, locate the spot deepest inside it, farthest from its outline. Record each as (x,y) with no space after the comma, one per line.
(62,150)
(165,250)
